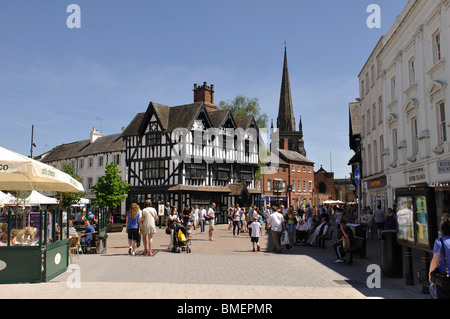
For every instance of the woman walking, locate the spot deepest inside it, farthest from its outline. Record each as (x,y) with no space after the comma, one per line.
(148,226)
(132,226)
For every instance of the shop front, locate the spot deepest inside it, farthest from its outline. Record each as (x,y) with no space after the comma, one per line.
(377,193)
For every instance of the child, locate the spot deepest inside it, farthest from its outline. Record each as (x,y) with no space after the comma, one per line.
(255,229)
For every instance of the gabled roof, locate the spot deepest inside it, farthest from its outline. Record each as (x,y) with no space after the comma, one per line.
(102,145)
(183,116)
(238,189)
(218,118)
(294,156)
(133,128)
(244,122)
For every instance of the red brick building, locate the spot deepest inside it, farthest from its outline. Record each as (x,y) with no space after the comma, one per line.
(323,186)
(288,179)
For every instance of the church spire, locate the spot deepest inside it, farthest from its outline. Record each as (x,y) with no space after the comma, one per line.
(285,120)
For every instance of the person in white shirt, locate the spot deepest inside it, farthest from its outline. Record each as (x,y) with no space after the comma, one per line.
(276,222)
(301,232)
(210,216)
(196,216)
(255,229)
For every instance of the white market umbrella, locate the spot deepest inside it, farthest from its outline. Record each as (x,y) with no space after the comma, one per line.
(37,198)
(7,199)
(333,202)
(18,172)
(82,202)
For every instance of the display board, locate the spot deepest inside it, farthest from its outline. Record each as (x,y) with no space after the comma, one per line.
(416,217)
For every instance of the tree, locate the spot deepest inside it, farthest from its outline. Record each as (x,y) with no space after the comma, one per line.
(243,106)
(66,199)
(110,190)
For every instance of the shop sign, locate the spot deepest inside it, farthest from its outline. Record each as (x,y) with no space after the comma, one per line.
(443,167)
(416,176)
(2,265)
(376,183)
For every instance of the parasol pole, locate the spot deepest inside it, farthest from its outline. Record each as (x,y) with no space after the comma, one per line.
(32,143)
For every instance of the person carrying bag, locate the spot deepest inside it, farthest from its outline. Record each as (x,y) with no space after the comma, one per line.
(439,273)
(441,278)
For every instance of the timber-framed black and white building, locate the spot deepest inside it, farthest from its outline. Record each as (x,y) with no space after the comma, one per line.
(192,154)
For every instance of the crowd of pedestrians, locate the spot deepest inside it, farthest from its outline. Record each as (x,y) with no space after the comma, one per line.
(141,224)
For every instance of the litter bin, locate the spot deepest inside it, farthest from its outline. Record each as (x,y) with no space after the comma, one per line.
(359,230)
(391,255)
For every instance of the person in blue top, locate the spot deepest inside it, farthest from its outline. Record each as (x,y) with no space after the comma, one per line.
(88,231)
(132,226)
(438,257)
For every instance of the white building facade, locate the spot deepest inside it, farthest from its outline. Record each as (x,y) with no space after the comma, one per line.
(89,158)
(405,109)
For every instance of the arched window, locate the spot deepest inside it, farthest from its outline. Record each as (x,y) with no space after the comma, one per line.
(322,188)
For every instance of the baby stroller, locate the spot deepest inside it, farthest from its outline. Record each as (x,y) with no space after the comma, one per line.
(180,241)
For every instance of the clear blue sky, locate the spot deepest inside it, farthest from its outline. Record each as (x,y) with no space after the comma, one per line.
(128,53)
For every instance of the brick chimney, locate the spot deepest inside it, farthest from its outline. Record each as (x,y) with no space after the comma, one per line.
(205,94)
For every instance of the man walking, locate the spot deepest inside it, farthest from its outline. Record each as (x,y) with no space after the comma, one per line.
(276,223)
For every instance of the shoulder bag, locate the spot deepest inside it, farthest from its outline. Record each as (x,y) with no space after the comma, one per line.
(440,278)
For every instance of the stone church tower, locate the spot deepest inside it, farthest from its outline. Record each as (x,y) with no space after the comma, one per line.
(288,137)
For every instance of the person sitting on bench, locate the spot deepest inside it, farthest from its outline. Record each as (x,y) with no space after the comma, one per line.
(345,241)
(320,230)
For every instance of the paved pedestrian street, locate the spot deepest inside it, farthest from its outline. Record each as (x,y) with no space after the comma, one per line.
(225,268)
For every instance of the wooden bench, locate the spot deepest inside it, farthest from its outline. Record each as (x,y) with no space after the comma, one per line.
(328,236)
(359,248)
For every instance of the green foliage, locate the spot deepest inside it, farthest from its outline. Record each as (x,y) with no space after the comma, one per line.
(243,106)
(110,190)
(66,199)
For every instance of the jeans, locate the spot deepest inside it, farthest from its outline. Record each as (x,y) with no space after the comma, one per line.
(202,225)
(235,225)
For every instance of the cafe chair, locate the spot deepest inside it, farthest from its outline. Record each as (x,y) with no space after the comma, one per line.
(73,246)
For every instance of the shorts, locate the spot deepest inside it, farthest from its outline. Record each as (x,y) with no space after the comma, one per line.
(211,223)
(133,234)
(254,239)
